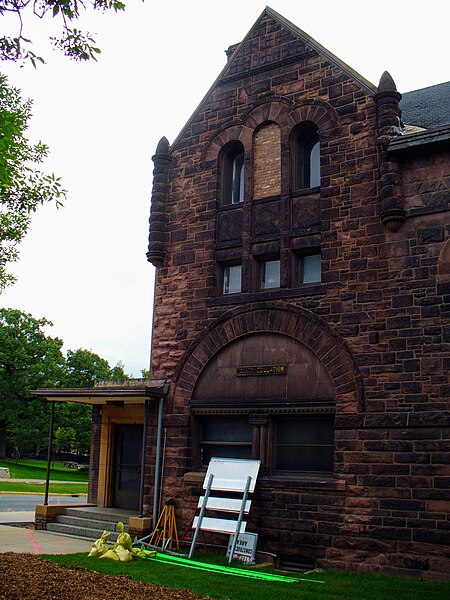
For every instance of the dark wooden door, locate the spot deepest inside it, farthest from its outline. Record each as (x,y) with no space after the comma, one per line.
(127,466)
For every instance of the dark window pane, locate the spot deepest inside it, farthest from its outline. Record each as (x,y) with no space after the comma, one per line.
(306,157)
(237,175)
(226,429)
(311,264)
(305,444)
(314,165)
(270,274)
(225,437)
(208,451)
(232,279)
(305,458)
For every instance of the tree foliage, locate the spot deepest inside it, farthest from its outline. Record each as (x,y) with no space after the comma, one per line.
(28,359)
(74,43)
(31,359)
(23,187)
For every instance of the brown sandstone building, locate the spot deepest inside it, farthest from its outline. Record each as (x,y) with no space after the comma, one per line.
(299,227)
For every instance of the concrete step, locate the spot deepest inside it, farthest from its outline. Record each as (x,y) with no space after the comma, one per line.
(88,523)
(80,532)
(112,516)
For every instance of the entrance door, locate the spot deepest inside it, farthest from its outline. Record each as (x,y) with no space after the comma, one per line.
(127,466)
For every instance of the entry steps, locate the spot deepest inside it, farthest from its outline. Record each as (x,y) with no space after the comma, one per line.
(89,523)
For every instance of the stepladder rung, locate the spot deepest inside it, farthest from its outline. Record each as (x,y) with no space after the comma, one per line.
(232,505)
(219,525)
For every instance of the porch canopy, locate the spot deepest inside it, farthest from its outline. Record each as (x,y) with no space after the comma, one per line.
(118,393)
(126,391)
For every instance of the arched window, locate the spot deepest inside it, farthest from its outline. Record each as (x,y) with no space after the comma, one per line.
(233,173)
(305,152)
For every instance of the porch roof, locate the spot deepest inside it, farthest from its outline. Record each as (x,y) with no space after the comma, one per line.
(127,391)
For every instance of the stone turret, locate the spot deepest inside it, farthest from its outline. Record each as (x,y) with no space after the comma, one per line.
(389,126)
(162,160)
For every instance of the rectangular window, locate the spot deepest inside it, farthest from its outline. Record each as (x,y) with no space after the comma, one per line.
(269,274)
(305,444)
(309,268)
(232,278)
(225,437)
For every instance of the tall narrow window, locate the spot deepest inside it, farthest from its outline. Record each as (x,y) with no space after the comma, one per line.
(233,173)
(232,276)
(305,157)
(269,274)
(309,268)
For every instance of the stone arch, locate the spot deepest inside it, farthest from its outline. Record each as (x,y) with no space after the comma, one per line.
(317,111)
(294,322)
(230,133)
(275,111)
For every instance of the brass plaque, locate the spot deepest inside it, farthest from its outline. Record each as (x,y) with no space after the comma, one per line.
(261,370)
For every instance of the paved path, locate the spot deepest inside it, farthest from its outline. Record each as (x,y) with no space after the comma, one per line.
(27,502)
(20,539)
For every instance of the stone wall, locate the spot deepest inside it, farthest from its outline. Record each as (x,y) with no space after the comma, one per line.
(387,507)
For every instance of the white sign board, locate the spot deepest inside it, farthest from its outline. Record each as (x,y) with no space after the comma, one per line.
(245,550)
(230,474)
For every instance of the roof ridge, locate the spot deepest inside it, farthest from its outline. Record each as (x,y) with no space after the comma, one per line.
(269,12)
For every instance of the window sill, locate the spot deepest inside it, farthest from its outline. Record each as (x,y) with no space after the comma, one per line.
(314,289)
(306,192)
(298,481)
(327,482)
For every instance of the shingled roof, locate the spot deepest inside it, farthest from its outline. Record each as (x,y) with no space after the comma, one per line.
(428,107)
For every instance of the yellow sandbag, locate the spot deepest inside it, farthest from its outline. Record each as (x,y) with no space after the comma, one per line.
(123,554)
(124,539)
(99,547)
(140,553)
(111,554)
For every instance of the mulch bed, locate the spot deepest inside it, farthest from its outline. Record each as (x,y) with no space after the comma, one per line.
(27,577)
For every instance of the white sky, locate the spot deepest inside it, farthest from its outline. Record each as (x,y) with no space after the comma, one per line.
(84,266)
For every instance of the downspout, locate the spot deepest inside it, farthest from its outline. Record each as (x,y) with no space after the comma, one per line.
(49,453)
(157,464)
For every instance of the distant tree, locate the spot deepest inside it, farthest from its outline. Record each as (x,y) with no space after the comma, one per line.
(118,372)
(64,440)
(73,42)
(83,368)
(146,373)
(29,359)
(23,187)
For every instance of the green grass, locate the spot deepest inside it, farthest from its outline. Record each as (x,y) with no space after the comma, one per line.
(37,469)
(339,585)
(39,488)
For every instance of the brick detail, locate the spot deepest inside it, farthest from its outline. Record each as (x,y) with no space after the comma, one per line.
(267,162)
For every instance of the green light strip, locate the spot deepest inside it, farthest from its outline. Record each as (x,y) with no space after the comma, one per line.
(184,562)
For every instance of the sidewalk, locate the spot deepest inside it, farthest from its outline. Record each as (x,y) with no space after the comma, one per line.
(20,539)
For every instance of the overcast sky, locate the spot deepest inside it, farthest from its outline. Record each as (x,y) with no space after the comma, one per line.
(84,266)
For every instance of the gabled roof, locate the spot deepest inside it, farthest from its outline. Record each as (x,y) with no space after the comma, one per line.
(428,107)
(235,67)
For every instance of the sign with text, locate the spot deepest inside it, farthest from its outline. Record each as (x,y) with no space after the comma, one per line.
(245,550)
(257,371)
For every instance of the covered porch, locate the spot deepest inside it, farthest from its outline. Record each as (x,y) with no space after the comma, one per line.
(126,431)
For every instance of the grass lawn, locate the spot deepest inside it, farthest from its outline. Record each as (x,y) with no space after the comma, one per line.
(39,488)
(37,469)
(339,585)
